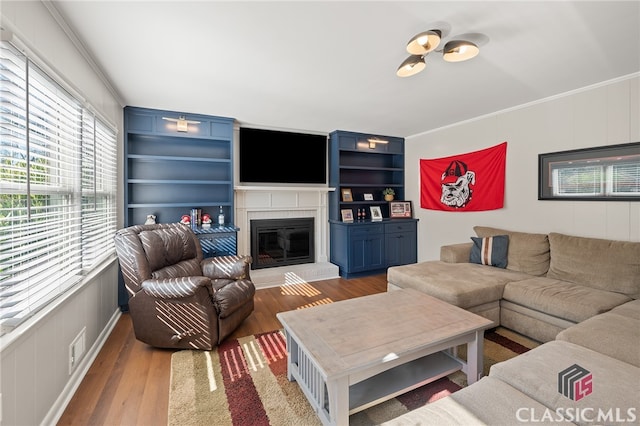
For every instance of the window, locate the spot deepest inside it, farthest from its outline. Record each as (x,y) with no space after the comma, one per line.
(604,173)
(57,189)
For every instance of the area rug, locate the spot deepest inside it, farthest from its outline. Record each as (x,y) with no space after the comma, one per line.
(244,382)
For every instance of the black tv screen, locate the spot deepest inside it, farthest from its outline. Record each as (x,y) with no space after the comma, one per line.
(270,156)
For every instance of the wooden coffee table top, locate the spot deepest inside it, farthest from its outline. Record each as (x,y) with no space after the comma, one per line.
(353,334)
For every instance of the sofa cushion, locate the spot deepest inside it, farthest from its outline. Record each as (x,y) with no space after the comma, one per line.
(487,402)
(604,264)
(442,412)
(528,253)
(491,251)
(562,299)
(629,309)
(615,384)
(498,403)
(610,334)
(461,284)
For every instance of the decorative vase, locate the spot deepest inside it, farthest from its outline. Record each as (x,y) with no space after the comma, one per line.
(388,197)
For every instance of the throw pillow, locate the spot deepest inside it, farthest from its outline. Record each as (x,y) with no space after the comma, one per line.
(490,251)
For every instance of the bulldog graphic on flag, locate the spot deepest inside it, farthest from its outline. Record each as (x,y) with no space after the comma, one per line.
(464,182)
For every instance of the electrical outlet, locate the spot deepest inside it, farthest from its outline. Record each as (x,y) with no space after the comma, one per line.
(76,349)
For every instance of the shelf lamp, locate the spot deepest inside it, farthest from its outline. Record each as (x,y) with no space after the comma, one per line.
(374,141)
(422,44)
(182,124)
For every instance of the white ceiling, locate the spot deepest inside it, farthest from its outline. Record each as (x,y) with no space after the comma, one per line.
(322,66)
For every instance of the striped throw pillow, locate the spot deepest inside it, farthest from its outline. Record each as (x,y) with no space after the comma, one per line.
(490,251)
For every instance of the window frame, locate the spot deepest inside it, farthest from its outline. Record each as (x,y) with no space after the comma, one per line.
(75,221)
(605,158)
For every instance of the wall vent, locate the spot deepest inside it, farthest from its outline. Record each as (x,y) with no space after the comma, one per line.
(76,350)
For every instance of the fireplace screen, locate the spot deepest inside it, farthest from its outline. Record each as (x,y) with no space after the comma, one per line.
(280,242)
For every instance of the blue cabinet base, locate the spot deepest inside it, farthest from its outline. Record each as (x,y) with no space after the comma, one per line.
(366,247)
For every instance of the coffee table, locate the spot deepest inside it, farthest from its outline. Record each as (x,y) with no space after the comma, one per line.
(350,355)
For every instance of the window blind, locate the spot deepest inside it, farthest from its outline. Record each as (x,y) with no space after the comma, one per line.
(57,182)
(614,176)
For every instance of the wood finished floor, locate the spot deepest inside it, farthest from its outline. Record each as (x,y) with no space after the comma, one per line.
(128,383)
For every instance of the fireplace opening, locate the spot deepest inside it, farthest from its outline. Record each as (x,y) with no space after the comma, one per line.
(280,242)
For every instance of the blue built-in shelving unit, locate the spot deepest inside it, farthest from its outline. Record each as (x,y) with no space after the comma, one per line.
(169,172)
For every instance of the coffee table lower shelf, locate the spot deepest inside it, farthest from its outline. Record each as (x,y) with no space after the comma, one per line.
(401,379)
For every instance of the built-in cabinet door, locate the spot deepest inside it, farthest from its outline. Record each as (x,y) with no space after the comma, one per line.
(401,243)
(400,248)
(366,254)
(366,248)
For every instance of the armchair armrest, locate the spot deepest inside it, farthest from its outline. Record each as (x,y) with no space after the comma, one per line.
(229,267)
(175,288)
(456,253)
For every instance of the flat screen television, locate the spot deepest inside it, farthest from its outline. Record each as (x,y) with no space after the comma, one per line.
(271,156)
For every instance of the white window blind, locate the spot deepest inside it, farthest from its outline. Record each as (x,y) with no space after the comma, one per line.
(99,179)
(57,182)
(610,177)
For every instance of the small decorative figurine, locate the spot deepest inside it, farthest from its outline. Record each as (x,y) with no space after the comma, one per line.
(151,219)
(206,221)
(186,219)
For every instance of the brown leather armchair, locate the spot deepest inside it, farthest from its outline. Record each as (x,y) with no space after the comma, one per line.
(177,299)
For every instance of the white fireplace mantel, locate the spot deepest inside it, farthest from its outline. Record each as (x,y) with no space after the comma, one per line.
(280,202)
(320,189)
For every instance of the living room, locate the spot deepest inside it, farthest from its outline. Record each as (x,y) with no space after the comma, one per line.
(36,384)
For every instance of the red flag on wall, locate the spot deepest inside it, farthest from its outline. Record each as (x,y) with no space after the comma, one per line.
(464,182)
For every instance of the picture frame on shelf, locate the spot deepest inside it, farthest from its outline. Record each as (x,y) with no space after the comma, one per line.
(376,213)
(400,209)
(368,197)
(347,215)
(347,196)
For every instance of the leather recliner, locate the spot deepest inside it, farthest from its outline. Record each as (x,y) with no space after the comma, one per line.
(177,299)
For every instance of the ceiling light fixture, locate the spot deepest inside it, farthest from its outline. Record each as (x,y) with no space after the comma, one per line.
(182,124)
(422,44)
(411,66)
(459,50)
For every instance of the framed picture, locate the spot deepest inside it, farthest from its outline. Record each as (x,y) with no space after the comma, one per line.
(606,173)
(376,213)
(368,197)
(347,215)
(346,194)
(400,209)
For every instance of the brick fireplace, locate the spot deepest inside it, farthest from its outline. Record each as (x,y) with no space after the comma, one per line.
(275,202)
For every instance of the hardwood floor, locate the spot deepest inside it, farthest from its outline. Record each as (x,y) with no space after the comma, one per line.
(128,383)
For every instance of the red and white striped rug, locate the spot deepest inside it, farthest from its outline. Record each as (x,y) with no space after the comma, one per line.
(244,382)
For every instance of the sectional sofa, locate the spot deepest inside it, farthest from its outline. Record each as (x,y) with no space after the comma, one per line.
(578,295)
(546,282)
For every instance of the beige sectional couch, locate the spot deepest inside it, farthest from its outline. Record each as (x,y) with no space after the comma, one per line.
(579,295)
(551,281)
(525,389)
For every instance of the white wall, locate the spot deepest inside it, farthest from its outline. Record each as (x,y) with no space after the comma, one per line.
(35,382)
(606,114)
